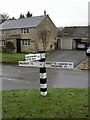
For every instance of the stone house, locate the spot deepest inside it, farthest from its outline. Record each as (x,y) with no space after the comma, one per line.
(29,34)
(69,37)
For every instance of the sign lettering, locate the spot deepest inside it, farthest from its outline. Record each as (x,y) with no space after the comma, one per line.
(32,57)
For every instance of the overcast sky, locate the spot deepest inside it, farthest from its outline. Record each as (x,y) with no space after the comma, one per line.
(62,12)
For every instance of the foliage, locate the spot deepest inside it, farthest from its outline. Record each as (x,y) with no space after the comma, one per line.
(59,32)
(10,47)
(28,14)
(43,34)
(59,103)
(5,16)
(21,15)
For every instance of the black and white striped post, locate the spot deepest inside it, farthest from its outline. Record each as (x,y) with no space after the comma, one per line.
(43,77)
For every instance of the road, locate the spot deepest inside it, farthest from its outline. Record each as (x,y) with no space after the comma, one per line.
(15,77)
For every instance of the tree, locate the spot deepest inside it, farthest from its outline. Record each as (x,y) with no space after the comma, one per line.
(44,36)
(59,31)
(28,14)
(5,16)
(21,15)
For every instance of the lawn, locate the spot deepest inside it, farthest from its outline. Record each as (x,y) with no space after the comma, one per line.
(59,103)
(12,58)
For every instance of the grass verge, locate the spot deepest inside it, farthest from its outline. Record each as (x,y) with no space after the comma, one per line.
(13,58)
(59,103)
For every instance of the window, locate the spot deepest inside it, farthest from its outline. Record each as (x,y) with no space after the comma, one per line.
(26,42)
(24,30)
(1,32)
(2,43)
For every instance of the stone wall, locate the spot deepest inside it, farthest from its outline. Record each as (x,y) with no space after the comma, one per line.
(48,26)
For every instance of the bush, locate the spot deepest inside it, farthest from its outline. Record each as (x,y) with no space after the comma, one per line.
(10,47)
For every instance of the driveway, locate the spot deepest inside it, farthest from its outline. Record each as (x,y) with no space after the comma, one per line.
(76,56)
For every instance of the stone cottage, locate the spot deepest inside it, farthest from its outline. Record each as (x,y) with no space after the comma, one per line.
(29,34)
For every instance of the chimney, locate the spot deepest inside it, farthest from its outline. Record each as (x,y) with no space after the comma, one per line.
(44,12)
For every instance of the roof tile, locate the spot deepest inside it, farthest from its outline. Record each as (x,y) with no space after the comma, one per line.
(22,23)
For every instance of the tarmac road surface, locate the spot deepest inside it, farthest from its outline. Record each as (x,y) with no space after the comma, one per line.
(15,77)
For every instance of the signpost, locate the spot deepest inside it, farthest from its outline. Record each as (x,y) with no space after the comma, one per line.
(63,65)
(38,60)
(47,64)
(32,57)
(29,63)
(43,76)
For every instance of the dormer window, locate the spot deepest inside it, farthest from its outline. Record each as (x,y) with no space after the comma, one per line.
(24,30)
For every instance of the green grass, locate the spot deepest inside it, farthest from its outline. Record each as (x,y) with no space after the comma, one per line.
(12,57)
(59,103)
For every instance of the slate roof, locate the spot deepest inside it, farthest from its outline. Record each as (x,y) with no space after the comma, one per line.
(78,31)
(22,23)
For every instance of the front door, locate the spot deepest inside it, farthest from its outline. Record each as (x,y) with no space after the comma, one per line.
(18,45)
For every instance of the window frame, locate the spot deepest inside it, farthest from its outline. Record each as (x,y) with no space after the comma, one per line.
(24,30)
(26,42)
(2,42)
(2,32)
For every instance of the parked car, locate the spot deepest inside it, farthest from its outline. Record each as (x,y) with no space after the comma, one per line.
(81,46)
(88,51)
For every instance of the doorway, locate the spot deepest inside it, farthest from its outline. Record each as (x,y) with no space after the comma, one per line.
(18,45)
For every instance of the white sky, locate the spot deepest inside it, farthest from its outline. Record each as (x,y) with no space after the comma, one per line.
(62,12)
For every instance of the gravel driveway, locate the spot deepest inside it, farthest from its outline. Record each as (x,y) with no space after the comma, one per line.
(76,56)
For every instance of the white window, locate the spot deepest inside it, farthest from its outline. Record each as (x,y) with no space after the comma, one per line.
(1,32)
(2,43)
(26,42)
(24,30)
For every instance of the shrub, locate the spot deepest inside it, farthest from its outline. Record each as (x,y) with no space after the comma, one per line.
(10,47)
